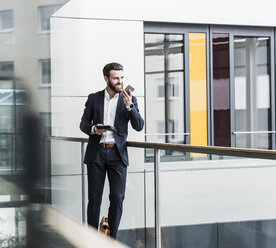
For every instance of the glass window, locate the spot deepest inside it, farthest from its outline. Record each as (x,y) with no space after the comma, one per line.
(221,90)
(160,91)
(154,53)
(6,110)
(6,69)
(252,91)
(46,122)
(11,106)
(45,14)
(164,56)
(45,72)
(6,123)
(6,20)
(173,88)
(164,87)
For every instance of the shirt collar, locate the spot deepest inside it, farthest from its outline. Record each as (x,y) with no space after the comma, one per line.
(106,95)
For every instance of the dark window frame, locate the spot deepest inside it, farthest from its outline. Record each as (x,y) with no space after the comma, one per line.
(181,29)
(246,31)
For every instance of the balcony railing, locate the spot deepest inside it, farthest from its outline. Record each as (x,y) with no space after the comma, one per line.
(185,149)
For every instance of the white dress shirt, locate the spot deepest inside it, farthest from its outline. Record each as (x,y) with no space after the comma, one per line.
(110,107)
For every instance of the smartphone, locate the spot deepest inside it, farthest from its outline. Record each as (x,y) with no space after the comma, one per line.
(129,88)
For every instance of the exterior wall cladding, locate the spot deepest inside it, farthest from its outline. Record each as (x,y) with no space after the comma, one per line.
(207,70)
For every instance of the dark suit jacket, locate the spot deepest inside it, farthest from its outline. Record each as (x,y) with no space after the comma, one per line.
(93,115)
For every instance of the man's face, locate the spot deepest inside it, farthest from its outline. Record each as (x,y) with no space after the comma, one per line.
(115,80)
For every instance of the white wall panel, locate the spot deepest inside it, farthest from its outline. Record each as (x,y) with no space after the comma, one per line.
(211,196)
(66,116)
(80,48)
(67,113)
(200,11)
(187,197)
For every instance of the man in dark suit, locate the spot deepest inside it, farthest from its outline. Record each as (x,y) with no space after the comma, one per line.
(106,150)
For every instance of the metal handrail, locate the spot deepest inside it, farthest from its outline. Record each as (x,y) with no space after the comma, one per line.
(254,132)
(216,150)
(11,133)
(165,134)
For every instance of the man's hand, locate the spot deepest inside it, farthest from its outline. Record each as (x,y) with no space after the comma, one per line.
(99,131)
(127,97)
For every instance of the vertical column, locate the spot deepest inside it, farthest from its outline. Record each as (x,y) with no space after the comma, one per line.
(157,198)
(82,183)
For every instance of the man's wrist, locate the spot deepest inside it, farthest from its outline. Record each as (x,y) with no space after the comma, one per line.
(129,107)
(93,130)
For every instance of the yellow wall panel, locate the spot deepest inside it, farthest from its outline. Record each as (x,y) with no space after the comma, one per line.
(198,90)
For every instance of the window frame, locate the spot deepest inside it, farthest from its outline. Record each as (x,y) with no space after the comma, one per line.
(244,31)
(8,62)
(44,85)
(181,29)
(209,29)
(40,31)
(7,30)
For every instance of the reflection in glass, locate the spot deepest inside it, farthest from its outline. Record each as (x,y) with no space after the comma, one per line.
(221,90)
(262,140)
(12,227)
(252,91)
(12,101)
(6,123)
(21,165)
(5,151)
(154,52)
(155,93)
(175,106)
(164,88)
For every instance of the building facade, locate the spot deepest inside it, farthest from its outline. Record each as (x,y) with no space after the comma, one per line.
(203,73)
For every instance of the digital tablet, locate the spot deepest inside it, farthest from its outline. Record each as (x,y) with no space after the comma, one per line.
(107,127)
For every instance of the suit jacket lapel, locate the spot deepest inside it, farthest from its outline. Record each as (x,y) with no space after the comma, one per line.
(101,106)
(118,109)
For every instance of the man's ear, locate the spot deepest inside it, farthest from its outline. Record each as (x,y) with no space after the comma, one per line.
(106,79)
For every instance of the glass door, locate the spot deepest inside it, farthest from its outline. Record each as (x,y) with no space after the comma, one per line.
(242,87)
(252,92)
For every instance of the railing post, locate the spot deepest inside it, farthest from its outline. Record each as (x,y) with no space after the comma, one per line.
(82,183)
(157,198)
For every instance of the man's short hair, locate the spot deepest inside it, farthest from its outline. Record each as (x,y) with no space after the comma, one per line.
(112,66)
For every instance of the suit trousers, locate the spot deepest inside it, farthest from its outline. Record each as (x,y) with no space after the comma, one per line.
(106,161)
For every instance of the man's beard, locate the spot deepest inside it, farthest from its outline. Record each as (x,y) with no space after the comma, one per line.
(112,87)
